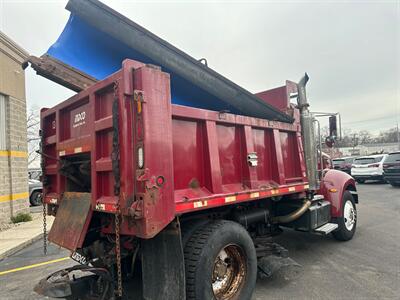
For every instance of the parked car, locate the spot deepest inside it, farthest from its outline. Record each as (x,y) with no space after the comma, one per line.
(368,168)
(34,173)
(391,168)
(343,164)
(35,192)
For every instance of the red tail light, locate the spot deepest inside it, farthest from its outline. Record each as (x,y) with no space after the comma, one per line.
(374,166)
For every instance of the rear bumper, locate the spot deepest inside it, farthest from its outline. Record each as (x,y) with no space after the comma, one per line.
(368,177)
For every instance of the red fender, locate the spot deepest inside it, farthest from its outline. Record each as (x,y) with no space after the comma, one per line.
(333,184)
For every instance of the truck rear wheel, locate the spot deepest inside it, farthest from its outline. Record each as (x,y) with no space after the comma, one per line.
(220,262)
(348,222)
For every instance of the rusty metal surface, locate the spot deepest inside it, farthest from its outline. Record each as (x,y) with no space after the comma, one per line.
(57,71)
(72,220)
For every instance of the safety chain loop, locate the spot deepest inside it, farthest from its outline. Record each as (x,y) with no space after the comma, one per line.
(118,254)
(44,229)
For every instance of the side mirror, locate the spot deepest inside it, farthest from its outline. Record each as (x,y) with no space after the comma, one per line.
(333,127)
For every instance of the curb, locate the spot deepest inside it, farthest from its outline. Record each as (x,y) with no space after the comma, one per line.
(20,246)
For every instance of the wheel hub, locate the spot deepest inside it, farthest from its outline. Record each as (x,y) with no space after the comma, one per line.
(350,215)
(229,272)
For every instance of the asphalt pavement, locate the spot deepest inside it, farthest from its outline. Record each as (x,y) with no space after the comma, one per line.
(367,267)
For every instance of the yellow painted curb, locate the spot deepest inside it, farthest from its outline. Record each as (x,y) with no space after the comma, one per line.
(13,153)
(13,197)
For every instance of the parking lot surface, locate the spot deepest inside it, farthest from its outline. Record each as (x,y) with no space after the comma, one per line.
(367,267)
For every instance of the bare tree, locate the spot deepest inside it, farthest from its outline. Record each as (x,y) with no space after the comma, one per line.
(33,126)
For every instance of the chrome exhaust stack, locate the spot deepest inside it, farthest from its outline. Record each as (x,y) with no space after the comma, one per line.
(307,132)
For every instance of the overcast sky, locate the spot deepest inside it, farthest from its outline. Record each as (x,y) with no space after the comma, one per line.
(351,50)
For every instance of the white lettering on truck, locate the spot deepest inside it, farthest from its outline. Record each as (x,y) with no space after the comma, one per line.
(79,119)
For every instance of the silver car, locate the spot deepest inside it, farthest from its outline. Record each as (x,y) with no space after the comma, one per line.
(35,192)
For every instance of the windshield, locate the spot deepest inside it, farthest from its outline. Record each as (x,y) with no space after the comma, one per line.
(337,162)
(364,161)
(391,158)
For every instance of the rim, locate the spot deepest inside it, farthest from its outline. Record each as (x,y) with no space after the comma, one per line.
(38,198)
(229,272)
(350,215)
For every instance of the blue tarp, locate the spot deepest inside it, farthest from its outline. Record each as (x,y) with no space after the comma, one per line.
(98,54)
(97,39)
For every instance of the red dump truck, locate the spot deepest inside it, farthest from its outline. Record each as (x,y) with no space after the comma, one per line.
(183,192)
(167,180)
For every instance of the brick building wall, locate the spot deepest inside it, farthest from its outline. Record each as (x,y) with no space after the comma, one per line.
(13,144)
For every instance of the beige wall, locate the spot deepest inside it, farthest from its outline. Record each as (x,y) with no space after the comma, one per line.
(13,160)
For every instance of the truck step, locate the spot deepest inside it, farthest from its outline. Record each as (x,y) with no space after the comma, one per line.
(318,197)
(326,228)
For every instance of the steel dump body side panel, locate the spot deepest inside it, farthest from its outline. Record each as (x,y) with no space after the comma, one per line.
(194,159)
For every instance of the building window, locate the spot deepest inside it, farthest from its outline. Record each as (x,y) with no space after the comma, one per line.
(3,129)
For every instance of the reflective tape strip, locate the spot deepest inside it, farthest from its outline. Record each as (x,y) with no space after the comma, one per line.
(12,153)
(106,207)
(188,206)
(230,199)
(254,195)
(13,197)
(100,206)
(75,150)
(198,204)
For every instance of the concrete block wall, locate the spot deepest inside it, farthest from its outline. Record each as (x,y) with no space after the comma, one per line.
(14,196)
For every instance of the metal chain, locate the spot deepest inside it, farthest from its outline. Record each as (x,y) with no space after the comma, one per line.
(118,254)
(44,229)
(116,172)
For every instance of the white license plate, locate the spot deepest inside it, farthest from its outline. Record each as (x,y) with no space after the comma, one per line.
(79,258)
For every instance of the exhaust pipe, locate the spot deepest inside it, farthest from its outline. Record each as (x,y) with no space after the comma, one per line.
(294,215)
(307,132)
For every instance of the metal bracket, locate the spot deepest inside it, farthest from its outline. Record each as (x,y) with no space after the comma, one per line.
(252,159)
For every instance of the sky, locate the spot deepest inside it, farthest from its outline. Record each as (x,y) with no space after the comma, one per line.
(350,49)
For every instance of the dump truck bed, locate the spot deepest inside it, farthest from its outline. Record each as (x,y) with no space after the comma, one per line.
(122,142)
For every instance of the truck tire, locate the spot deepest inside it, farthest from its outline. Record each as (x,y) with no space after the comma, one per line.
(36,198)
(348,222)
(189,227)
(360,180)
(220,262)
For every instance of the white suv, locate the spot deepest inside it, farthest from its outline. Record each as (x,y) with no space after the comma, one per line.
(368,168)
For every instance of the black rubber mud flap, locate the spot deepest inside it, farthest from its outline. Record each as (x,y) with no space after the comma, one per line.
(72,220)
(163,265)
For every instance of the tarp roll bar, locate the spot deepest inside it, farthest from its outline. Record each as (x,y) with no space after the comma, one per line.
(100,37)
